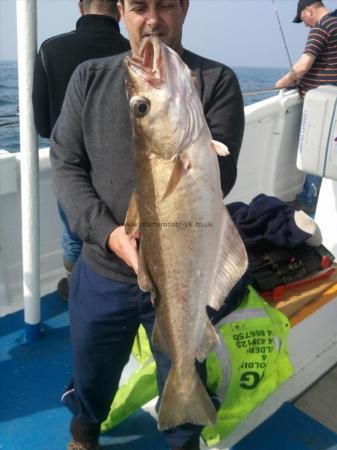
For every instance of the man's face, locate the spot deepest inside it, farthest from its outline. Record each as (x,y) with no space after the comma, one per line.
(163,18)
(308,17)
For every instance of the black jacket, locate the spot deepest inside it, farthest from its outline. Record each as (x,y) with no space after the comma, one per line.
(95,36)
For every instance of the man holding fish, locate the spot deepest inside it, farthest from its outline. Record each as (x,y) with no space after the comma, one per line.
(145,195)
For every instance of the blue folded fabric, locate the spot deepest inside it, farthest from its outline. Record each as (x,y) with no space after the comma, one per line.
(267,218)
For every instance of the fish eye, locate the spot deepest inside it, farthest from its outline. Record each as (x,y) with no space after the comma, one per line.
(140,106)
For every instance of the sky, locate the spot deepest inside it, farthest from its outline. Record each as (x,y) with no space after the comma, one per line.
(239,33)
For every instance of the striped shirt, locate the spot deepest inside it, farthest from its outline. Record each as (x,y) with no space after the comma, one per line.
(322,42)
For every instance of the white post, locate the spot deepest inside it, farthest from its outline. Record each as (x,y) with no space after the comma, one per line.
(27,43)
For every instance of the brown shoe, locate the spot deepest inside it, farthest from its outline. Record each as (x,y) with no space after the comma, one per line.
(75,445)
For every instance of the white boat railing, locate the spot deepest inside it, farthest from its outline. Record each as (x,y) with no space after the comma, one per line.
(267,164)
(267,161)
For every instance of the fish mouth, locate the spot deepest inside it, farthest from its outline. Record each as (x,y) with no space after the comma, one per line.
(150,64)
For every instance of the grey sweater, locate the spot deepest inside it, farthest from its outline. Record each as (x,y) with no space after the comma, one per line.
(92,156)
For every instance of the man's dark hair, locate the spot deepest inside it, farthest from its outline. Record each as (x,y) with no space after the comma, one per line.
(122,1)
(109,5)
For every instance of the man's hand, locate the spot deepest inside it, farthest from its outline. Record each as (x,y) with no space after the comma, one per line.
(124,246)
(287,80)
(297,71)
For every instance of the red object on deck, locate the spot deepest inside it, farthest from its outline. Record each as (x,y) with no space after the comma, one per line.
(277,293)
(325,262)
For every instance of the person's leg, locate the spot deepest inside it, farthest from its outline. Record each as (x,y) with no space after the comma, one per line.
(103,324)
(71,243)
(233,300)
(72,247)
(185,437)
(309,195)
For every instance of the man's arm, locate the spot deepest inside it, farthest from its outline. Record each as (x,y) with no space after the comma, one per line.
(87,214)
(299,69)
(41,98)
(225,118)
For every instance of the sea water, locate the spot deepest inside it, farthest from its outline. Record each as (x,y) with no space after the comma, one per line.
(250,78)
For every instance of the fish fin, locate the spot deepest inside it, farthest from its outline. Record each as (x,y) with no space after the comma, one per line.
(230,264)
(181,167)
(132,219)
(220,148)
(185,400)
(145,280)
(159,341)
(209,341)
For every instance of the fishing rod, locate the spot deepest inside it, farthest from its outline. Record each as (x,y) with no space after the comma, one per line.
(264,90)
(273,89)
(281,29)
(260,91)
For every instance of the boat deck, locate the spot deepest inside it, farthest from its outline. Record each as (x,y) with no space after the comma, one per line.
(320,401)
(33,377)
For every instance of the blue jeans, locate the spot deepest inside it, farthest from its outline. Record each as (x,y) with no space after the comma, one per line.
(71,243)
(104,318)
(309,194)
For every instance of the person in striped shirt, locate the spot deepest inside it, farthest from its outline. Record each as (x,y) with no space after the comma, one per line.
(318,63)
(316,66)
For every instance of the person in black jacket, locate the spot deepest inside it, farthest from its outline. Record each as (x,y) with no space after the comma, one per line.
(97,35)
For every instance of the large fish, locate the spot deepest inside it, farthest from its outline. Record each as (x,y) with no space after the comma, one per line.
(190,254)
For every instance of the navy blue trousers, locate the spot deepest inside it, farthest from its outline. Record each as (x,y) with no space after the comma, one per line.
(104,318)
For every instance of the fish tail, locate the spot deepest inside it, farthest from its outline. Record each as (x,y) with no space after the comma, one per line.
(185,400)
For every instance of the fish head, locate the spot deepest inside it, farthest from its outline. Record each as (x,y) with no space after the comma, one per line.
(166,110)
